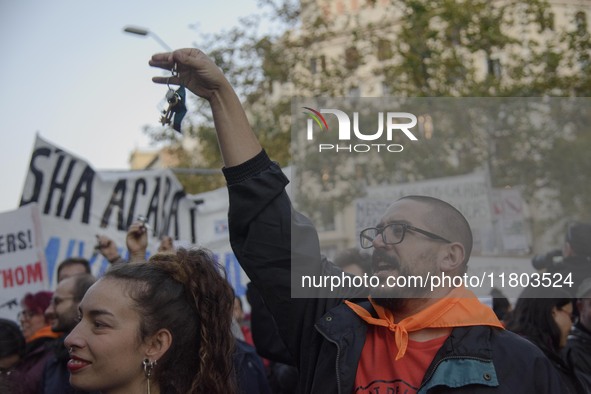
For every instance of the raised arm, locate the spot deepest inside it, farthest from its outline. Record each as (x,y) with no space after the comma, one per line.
(202,76)
(274,244)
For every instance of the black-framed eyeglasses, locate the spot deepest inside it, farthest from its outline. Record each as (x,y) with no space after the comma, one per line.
(393,234)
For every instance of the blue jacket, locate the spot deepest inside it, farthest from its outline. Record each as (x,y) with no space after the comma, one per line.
(324,336)
(478,359)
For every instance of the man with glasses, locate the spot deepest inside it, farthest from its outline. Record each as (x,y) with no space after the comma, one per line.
(395,230)
(62,314)
(426,343)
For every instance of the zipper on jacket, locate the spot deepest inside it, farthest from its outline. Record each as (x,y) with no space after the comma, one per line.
(486,360)
(337,359)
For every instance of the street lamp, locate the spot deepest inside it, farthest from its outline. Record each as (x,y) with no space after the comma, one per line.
(145,32)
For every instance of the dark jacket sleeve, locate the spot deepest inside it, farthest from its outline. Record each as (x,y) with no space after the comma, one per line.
(275,245)
(578,358)
(265,334)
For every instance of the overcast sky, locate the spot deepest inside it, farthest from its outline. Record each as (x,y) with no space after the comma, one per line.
(70,74)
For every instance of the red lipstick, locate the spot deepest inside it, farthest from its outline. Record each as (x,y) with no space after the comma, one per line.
(76,364)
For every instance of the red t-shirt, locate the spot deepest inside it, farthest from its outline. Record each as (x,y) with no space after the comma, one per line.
(378,372)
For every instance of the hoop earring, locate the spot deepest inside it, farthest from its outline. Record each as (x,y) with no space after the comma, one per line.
(148,368)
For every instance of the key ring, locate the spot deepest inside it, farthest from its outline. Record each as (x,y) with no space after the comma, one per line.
(174,73)
(176,102)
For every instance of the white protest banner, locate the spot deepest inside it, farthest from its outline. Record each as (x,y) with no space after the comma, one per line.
(468,193)
(76,203)
(22,261)
(213,234)
(510,220)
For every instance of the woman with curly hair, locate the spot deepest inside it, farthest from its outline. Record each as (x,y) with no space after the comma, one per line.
(162,327)
(544,316)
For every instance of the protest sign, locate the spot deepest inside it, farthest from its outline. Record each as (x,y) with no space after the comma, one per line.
(468,193)
(22,261)
(77,202)
(213,234)
(496,216)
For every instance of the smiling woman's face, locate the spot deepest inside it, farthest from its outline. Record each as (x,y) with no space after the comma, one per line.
(106,351)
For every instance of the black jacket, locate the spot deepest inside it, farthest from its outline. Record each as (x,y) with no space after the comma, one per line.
(571,381)
(250,371)
(578,353)
(326,337)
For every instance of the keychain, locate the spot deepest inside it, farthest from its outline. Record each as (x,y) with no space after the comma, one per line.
(176,105)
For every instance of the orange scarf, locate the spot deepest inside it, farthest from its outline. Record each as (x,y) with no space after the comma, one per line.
(44,332)
(460,308)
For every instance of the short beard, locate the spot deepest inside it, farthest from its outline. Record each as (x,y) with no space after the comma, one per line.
(395,297)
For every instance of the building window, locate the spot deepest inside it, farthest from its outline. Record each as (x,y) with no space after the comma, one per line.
(494,67)
(352,58)
(550,21)
(581,22)
(455,36)
(546,21)
(317,64)
(384,49)
(584,62)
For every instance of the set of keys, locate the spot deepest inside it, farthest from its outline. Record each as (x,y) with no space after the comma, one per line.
(176,109)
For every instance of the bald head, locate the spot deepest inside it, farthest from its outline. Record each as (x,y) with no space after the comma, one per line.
(446,221)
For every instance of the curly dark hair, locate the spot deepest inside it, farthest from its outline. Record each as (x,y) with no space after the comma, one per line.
(186,293)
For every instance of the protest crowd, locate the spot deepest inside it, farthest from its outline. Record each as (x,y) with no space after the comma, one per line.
(172,323)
